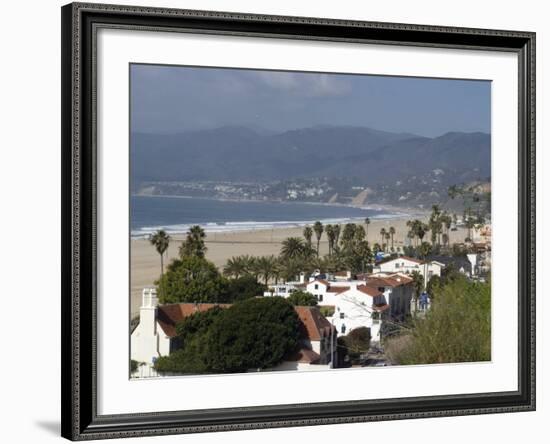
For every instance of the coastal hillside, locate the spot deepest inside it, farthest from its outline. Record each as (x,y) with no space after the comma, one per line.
(242,154)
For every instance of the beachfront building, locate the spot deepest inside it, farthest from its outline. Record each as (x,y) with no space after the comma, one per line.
(156,335)
(407,265)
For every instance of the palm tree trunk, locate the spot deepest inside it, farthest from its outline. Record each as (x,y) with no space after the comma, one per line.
(161,274)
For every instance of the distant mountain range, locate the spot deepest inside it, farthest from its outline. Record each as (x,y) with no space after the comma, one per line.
(244,154)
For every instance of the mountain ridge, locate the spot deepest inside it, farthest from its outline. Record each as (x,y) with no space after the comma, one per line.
(240,153)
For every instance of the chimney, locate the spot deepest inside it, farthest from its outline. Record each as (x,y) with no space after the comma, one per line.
(302,277)
(149,298)
(148,310)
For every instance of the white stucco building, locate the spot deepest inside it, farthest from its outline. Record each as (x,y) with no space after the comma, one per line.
(359,306)
(407,265)
(148,341)
(156,335)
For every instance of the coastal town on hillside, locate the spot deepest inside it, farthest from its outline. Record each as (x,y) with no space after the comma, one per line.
(299,221)
(335,297)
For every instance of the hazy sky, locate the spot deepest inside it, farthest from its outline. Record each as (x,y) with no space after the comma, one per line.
(168,99)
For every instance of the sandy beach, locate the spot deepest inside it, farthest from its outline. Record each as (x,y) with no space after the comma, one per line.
(145,261)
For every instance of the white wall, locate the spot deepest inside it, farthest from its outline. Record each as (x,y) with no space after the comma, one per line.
(29,184)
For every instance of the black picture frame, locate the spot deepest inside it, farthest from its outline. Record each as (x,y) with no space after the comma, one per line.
(80,420)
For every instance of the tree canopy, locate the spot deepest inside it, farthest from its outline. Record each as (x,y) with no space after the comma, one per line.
(302,298)
(191,279)
(252,334)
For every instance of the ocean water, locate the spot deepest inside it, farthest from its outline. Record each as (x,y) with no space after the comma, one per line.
(177,214)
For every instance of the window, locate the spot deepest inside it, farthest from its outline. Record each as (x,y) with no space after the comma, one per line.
(397,265)
(342,315)
(343,328)
(316,286)
(320,298)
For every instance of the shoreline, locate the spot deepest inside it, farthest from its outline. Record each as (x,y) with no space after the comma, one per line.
(392,212)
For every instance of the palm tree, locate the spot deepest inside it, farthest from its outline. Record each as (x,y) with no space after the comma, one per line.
(392,233)
(308,233)
(383,234)
(412,232)
(235,267)
(265,266)
(337,229)
(421,230)
(331,235)
(292,248)
(291,268)
(348,235)
(387,237)
(418,285)
(249,264)
(318,228)
(194,243)
(367,223)
(160,240)
(360,233)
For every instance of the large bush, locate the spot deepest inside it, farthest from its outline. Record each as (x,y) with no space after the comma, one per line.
(252,334)
(302,298)
(457,328)
(255,333)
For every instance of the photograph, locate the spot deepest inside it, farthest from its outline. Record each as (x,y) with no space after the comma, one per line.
(306,221)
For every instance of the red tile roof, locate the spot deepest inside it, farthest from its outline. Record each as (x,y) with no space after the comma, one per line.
(370,291)
(337,289)
(388,281)
(314,324)
(169,315)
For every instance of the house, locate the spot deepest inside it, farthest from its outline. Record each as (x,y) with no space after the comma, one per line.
(326,292)
(156,335)
(398,291)
(359,306)
(463,264)
(407,265)
(285,289)
(317,344)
